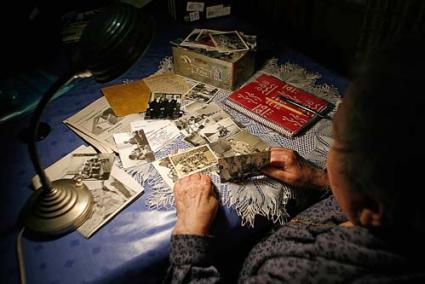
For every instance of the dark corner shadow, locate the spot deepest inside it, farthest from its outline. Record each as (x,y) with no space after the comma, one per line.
(152,274)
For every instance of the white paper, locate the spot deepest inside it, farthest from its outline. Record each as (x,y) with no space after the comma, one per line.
(110,196)
(195,6)
(133,148)
(159,133)
(98,121)
(167,171)
(58,169)
(217,11)
(194,16)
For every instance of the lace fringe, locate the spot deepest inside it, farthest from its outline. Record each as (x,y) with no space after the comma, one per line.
(264,197)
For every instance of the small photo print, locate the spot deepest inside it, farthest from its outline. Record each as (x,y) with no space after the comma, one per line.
(190,40)
(220,130)
(229,41)
(200,39)
(191,122)
(250,40)
(91,166)
(195,139)
(201,92)
(195,6)
(133,148)
(164,105)
(205,39)
(241,167)
(167,171)
(104,121)
(194,106)
(193,160)
(242,143)
(109,198)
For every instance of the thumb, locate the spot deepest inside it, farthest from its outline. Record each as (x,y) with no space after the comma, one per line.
(277,164)
(274,172)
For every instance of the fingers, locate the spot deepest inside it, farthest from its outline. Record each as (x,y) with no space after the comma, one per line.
(197,181)
(275,173)
(279,157)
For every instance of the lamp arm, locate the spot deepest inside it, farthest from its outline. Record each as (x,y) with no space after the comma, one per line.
(35,123)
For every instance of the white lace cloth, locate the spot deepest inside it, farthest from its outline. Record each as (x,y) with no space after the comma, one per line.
(265,197)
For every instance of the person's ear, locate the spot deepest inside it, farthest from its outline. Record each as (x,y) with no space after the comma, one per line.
(372,215)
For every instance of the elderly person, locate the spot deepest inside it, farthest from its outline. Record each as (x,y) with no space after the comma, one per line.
(371,228)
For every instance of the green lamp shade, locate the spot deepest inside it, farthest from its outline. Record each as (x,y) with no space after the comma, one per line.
(113,41)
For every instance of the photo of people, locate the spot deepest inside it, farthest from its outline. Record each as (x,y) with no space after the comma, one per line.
(191,122)
(109,197)
(229,41)
(133,148)
(193,160)
(201,92)
(240,167)
(195,139)
(221,129)
(164,105)
(104,121)
(242,143)
(90,166)
(167,171)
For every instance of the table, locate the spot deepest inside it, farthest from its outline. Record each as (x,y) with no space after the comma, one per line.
(134,246)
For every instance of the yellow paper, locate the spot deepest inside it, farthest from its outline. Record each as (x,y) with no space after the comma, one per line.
(167,83)
(128,98)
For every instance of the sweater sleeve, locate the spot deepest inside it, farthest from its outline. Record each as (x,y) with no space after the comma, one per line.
(191,260)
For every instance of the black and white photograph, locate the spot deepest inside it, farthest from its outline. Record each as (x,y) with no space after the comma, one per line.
(87,166)
(238,168)
(201,92)
(242,143)
(96,123)
(133,148)
(191,122)
(250,40)
(109,198)
(229,41)
(194,106)
(219,130)
(195,139)
(193,161)
(167,171)
(195,6)
(190,40)
(164,105)
(200,39)
(204,38)
(104,121)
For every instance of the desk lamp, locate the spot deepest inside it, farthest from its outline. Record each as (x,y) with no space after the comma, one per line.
(111,42)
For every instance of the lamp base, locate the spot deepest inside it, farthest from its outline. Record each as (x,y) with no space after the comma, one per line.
(60,210)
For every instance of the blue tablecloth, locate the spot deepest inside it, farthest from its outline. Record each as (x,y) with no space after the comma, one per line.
(133,247)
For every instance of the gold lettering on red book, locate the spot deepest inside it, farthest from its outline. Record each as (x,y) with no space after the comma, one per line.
(289,88)
(265,87)
(262,110)
(249,97)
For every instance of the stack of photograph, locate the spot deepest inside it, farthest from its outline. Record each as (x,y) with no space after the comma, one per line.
(217,44)
(180,115)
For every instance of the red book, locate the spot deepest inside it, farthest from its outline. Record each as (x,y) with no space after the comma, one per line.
(262,101)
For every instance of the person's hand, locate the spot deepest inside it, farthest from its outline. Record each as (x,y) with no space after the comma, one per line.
(289,167)
(196,204)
